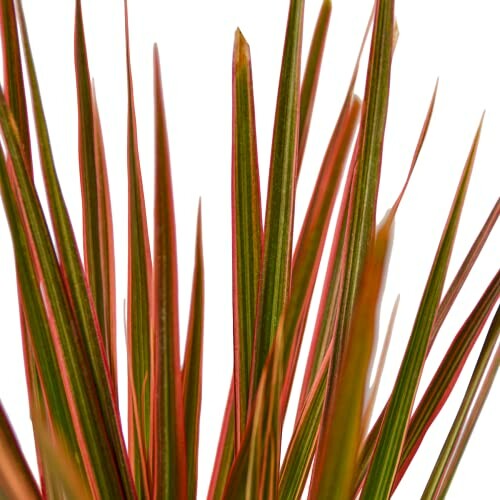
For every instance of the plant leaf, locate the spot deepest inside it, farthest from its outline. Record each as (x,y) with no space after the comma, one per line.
(88,180)
(192,369)
(99,457)
(225,450)
(443,310)
(106,240)
(311,76)
(312,237)
(384,463)
(254,473)
(435,484)
(75,284)
(468,427)
(77,309)
(140,344)
(446,375)
(247,227)
(341,430)
(16,479)
(329,303)
(362,206)
(277,253)
(169,433)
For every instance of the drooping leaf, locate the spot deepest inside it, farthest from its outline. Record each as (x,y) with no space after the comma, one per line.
(384,463)
(170,474)
(247,227)
(192,367)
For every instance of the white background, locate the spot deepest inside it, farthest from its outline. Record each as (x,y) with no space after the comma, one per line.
(455,40)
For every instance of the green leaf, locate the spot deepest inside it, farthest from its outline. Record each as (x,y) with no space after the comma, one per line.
(435,484)
(247,227)
(88,180)
(384,463)
(311,76)
(170,475)
(443,310)
(225,450)
(311,241)
(192,368)
(44,369)
(255,470)
(447,375)
(329,303)
(140,345)
(341,431)
(87,417)
(62,474)
(106,241)
(276,265)
(13,76)
(77,310)
(16,479)
(361,221)
(469,425)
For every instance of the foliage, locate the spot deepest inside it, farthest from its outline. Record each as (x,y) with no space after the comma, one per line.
(67,300)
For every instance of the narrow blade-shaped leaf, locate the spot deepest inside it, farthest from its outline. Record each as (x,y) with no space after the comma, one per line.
(311,76)
(442,312)
(79,303)
(447,375)
(362,207)
(225,449)
(277,254)
(329,303)
(255,471)
(384,463)
(13,76)
(102,461)
(169,434)
(311,241)
(435,484)
(247,227)
(469,425)
(88,182)
(192,368)
(16,479)
(341,432)
(140,346)
(63,473)
(106,241)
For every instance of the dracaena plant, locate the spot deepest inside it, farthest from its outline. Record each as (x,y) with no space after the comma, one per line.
(67,299)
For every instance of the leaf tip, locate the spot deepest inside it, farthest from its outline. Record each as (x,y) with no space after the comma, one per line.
(241,50)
